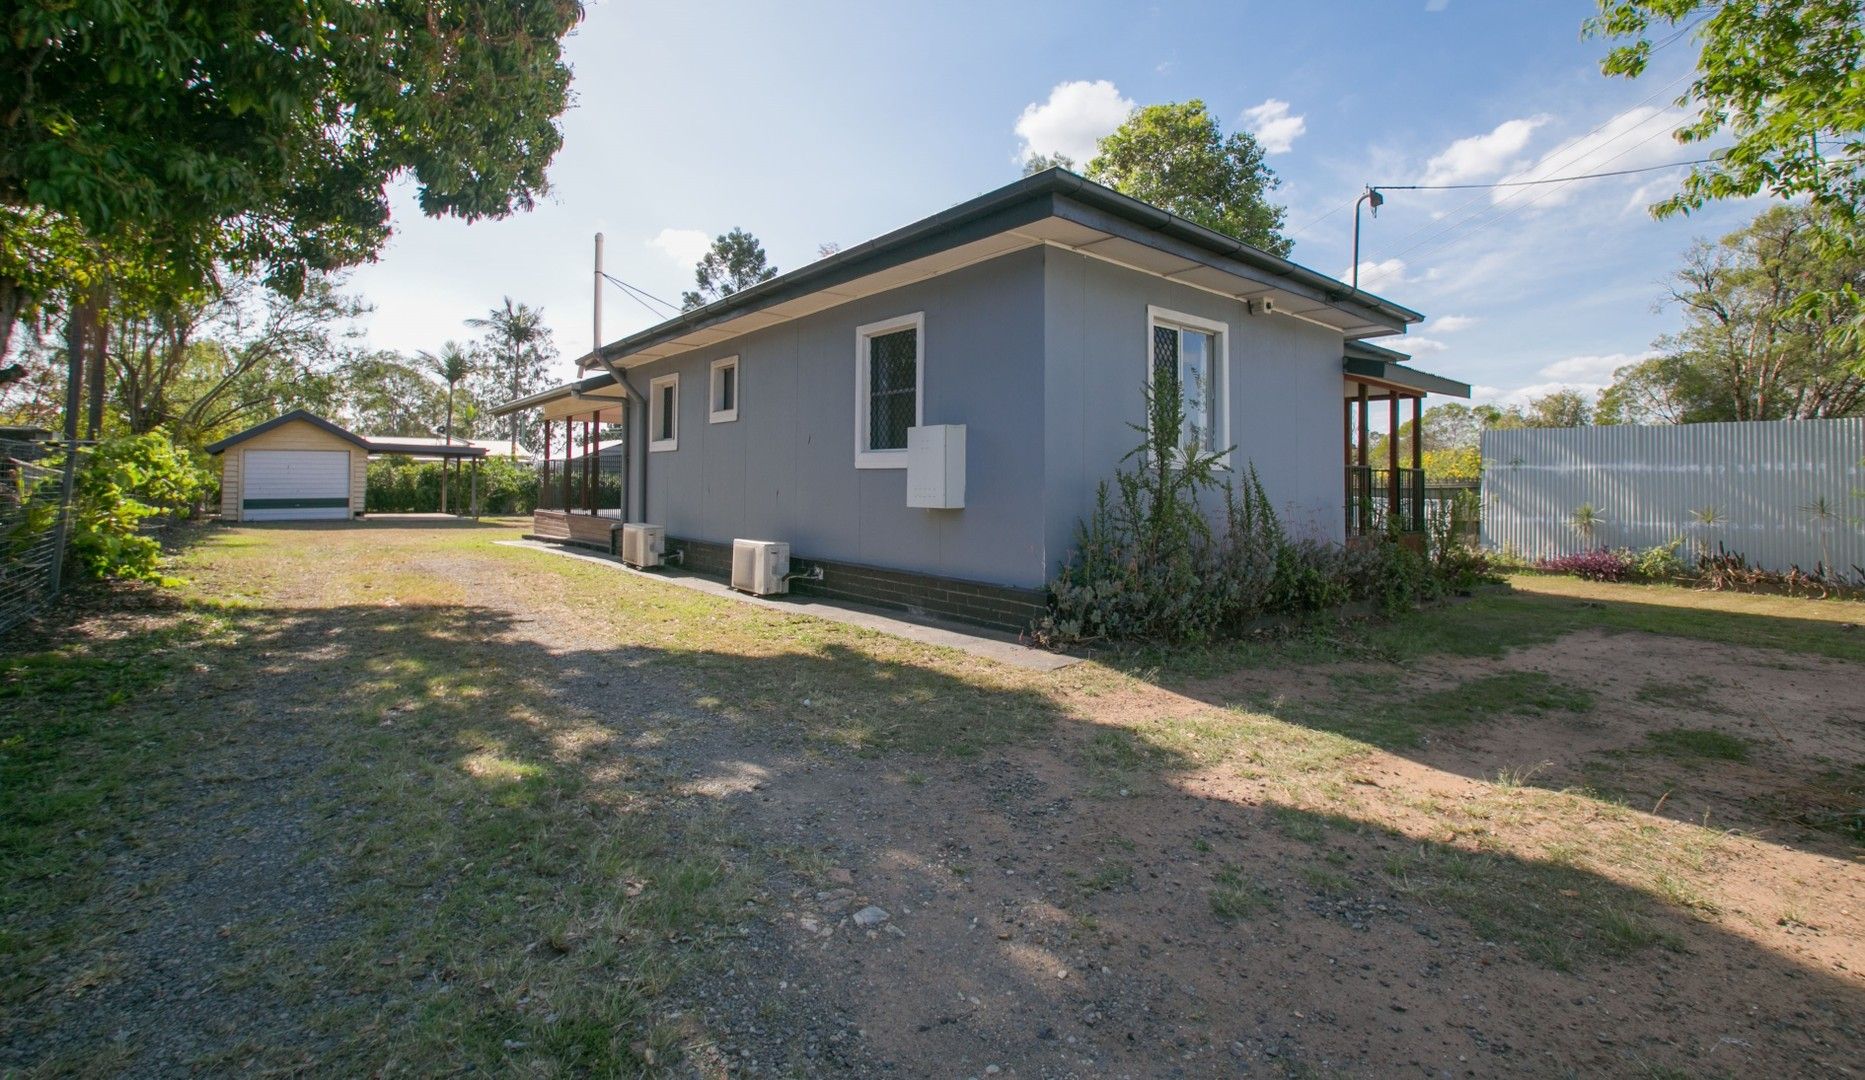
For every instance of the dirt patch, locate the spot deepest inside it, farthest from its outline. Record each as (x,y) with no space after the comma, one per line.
(1791,720)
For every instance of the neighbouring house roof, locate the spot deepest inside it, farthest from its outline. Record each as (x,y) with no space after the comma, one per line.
(1051,208)
(605,448)
(428,448)
(414,446)
(418,445)
(1364,360)
(280,421)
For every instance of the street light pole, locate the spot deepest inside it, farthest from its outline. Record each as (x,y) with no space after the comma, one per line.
(1373,198)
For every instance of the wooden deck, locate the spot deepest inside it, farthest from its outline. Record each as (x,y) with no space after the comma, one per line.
(573,528)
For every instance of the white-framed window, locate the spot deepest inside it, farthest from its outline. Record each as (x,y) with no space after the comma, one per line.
(664,413)
(722,391)
(1199,351)
(890,371)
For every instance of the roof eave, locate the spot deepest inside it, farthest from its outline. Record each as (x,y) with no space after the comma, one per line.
(1398,374)
(1029,200)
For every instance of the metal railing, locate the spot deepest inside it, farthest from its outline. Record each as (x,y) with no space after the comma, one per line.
(1377,504)
(600,488)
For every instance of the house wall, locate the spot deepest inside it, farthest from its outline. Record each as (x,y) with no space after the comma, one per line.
(296,435)
(1285,394)
(785,469)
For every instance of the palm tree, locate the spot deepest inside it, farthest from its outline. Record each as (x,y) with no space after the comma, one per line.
(453,365)
(516,329)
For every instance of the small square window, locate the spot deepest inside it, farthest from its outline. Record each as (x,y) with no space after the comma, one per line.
(664,413)
(724,391)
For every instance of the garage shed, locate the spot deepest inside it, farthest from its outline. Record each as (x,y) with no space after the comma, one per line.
(302,467)
(296,467)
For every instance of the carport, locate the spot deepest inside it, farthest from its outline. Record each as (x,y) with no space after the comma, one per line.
(302,467)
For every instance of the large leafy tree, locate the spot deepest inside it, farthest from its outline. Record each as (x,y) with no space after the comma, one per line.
(1784,80)
(1044,162)
(736,261)
(263,133)
(518,350)
(1782,77)
(1177,158)
(195,365)
(1749,348)
(381,393)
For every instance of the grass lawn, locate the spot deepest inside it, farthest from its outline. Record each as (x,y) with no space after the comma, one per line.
(395,799)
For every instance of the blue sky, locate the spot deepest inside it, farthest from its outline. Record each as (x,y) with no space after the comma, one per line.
(809,123)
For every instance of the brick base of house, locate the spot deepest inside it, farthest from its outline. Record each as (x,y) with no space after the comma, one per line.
(1000,607)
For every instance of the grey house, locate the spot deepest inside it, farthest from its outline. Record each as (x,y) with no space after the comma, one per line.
(1023,326)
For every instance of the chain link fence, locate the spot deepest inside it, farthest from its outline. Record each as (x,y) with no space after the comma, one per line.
(30,556)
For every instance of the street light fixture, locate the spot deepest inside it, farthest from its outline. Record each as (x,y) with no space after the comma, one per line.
(1374,199)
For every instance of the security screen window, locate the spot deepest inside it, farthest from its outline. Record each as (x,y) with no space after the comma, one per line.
(893,388)
(1193,354)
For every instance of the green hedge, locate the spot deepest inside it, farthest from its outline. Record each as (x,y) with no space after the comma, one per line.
(398,485)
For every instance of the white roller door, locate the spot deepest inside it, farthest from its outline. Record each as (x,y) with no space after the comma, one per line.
(295,485)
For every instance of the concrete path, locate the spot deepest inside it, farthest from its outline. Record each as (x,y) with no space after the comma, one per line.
(928,630)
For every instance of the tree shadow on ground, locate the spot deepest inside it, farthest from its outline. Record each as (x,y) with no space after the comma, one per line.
(370,835)
(1612,698)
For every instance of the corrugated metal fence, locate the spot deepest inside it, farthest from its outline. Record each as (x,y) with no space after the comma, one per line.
(1781,493)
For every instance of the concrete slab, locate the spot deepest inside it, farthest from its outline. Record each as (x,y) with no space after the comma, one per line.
(927,630)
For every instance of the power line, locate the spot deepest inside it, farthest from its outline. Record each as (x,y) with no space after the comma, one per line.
(1575,151)
(1504,208)
(1544,180)
(631,292)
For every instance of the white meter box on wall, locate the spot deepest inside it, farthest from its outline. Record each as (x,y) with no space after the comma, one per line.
(936,466)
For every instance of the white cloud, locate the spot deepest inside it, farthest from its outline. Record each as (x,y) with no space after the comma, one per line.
(1450,324)
(1592,370)
(1072,121)
(1418,346)
(1273,127)
(684,246)
(1631,140)
(1522,395)
(1478,157)
(1384,273)
(1587,374)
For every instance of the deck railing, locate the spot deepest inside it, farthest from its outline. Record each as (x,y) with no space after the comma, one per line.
(1382,499)
(595,488)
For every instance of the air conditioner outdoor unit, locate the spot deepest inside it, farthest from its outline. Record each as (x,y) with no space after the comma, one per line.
(761,567)
(643,545)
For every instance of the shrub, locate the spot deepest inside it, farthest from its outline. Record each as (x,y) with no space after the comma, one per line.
(1149,565)
(1661,563)
(1598,564)
(401,485)
(121,483)
(1728,570)
(1455,563)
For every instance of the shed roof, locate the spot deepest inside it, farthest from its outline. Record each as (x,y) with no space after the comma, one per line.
(416,446)
(293,416)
